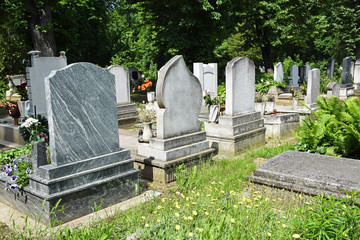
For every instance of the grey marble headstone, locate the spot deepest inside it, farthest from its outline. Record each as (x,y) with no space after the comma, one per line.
(302,73)
(313,87)
(294,74)
(307,69)
(357,72)
(38,155)
(333,89)
(240,86)
(208,76)
(330,68)
(278,72)
(81,112)
(346,72)
(179,96)
(122,84)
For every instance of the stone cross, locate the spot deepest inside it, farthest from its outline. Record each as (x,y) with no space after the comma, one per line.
(313,87)
(208,76)
(82,117)
(240,86)
(346,72)
(357,72)
(179,96)
(294,74)
(122,84)
(278,72)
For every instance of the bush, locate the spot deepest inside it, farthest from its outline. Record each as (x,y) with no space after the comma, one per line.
(334,131)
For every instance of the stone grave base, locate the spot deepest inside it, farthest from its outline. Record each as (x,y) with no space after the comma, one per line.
(127,113)
(11,133)
(75,204)
(346,91)
(163,171)
(233,135)
(280,125)
(310,173)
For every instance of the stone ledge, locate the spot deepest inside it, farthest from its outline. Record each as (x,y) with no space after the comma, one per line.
(281,118)
(240,119)
(175,142)
(310,173)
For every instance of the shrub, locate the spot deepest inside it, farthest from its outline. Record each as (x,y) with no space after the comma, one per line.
(334,131)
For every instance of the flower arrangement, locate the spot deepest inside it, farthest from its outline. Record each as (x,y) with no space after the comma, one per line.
(12,109)
(34,129)
(146,115)
(21,89)
(210,101)
(145,86)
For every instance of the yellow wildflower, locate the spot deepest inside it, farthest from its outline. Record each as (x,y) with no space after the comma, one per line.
(269,234)
(283,225)
(147,225)
(194,213)
(142,217)
(190,218)
(177,214)
(177,227)
(232,220)
(163,199)
(296,235)
(158,220)
(200,230)
(235,206)
(191,234)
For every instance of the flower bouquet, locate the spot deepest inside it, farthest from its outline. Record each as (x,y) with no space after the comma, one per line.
(12,109)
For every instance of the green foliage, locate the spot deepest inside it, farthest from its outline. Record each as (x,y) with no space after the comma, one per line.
(222,92)
(329,218)
(264,86)
(18,158)
(335,129)
(289,62)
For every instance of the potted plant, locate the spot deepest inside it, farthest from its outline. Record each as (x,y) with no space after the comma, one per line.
(259,102)
(147,117)
(21,89)
(12,110)
(213,103)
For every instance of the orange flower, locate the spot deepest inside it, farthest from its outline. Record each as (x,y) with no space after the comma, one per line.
(139,87)
(147,80)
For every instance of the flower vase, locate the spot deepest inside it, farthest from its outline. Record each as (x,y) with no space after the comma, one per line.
(147,133)
(24,107)
(16,121)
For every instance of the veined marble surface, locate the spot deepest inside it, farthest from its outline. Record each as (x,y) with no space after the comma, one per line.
(82,113)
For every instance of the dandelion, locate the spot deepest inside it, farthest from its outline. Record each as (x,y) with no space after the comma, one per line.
(284,226)
(159,207)
(206,213)
(177,193)
(232,220)
(142,217)
(177,214)
(235,206)
(194,213)
(190,218)
(177,227)
(158,220)
(191,234)
(147,225)
(269,234)
(296,235)
(163,199)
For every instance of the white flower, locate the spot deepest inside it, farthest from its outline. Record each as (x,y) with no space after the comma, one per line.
(30,122)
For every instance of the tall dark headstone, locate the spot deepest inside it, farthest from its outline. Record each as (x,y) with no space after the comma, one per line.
(330,68)
(346,72)
(302,73)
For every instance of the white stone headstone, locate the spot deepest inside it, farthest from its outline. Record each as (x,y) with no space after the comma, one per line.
(352,69)
(208,76)
(240,86)
(122,84)
(278,72)
(313,87)
(179,96)
(357,72)
(294,75)
(333,89)
(40,68)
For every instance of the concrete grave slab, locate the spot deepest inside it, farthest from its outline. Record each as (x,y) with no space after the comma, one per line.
(310,173)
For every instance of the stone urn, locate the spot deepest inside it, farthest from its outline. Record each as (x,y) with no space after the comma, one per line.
(24,107)
(147,133)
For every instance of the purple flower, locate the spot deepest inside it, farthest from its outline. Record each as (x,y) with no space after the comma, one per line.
(8,172)
(15,168)
(226,194)
(13,178)
(3,168)
(14,161)
(8,166)
(28,171)
(14,186)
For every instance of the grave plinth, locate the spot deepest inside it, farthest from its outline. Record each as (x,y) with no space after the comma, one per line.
(87,164)
(241,127)
(179,137)
(126,111)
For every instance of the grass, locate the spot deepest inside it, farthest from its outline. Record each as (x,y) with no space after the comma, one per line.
(217,202)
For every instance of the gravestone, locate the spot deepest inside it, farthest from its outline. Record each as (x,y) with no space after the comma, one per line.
(241,127)
(307,69)
(40,68)
(302,73)
(135,76)
(179,136)
(352,69)
(278,72)
(333,89)
(125,109)
(330,68)
(346,73)
(294,75)
(310,173)
(313,88)
(87,164)
(357,72)
(208,76)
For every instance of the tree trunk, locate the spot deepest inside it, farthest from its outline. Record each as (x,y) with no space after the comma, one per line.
(265,45)
(41,28)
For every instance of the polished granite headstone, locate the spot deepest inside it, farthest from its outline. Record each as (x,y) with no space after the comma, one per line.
(86,159)
(346,72)
(310,173)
